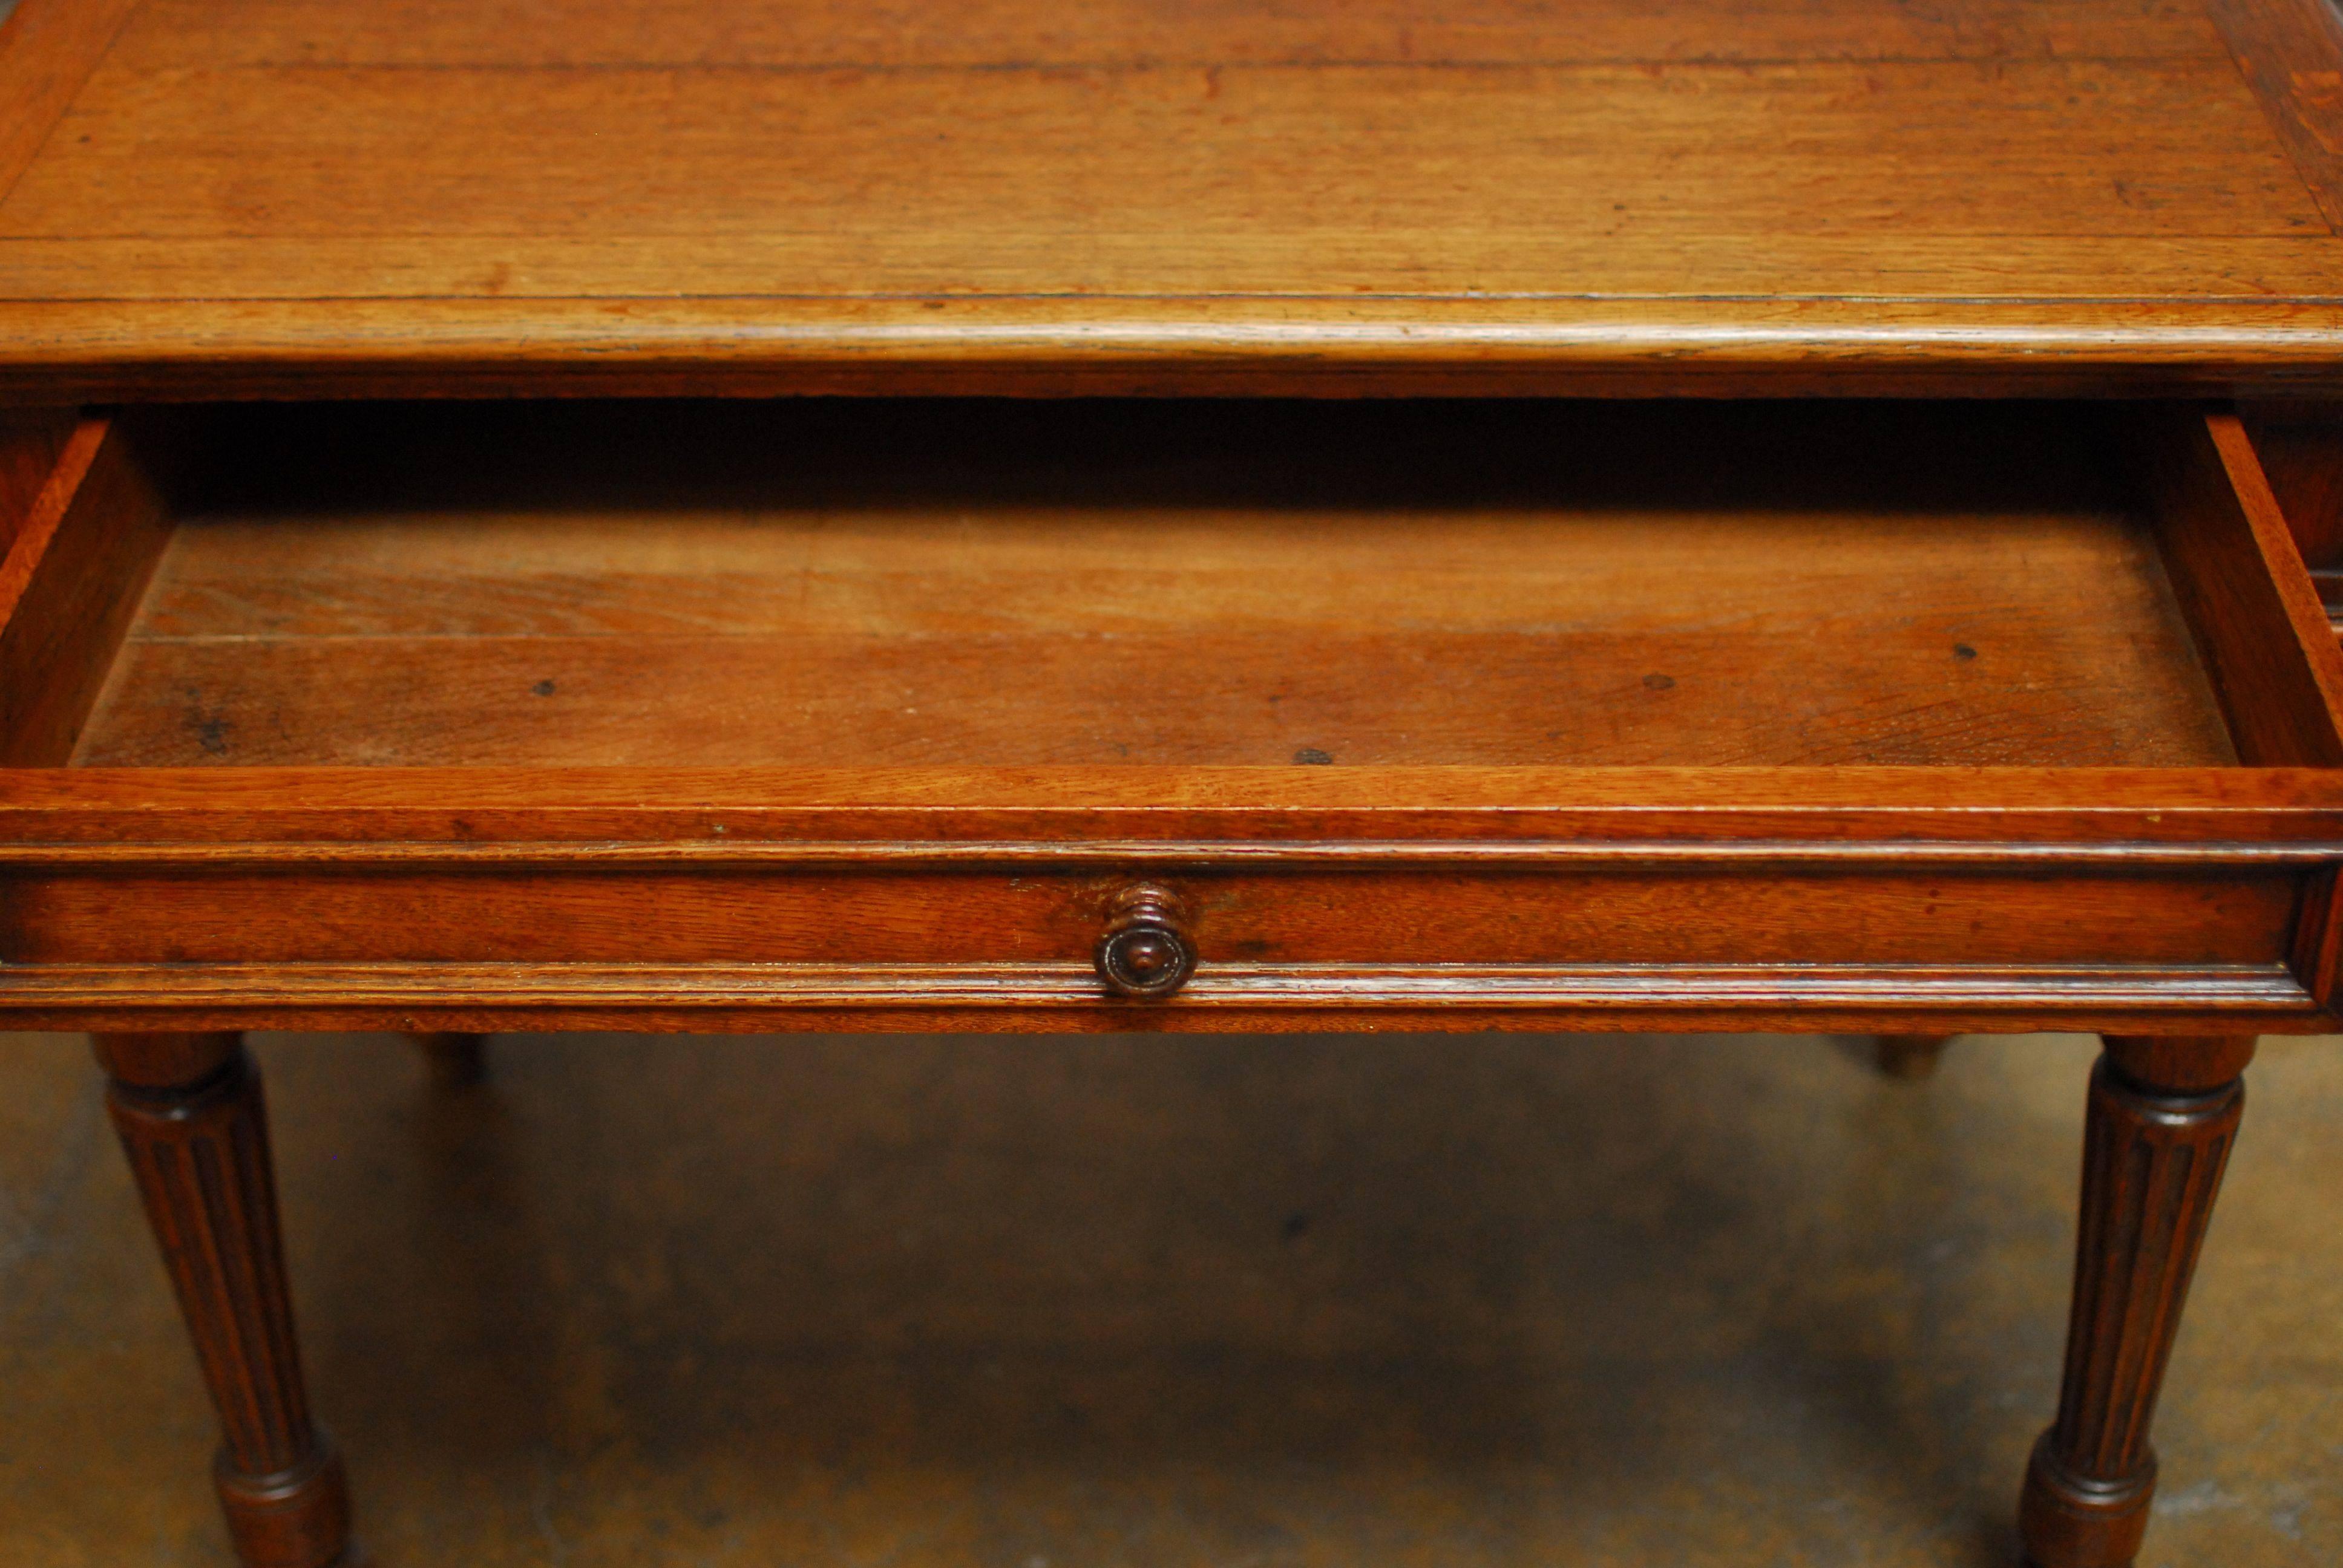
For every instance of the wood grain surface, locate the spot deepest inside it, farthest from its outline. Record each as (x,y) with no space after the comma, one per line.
(269,194)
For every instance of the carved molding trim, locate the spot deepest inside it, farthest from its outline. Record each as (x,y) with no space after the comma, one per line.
(2256,989)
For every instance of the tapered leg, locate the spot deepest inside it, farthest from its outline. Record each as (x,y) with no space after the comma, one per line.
(1911,1055)
(458,1061)
(2162,1114)
(189,1109)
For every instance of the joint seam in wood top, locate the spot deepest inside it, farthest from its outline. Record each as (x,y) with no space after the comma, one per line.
(11,29)
(1198,852)
(2247,37)
(1137,63)
(1459,296)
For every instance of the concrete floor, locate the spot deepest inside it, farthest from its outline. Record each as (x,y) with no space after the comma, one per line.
(1068,1304)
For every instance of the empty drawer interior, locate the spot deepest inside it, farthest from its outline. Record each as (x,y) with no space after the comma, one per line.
(813,583)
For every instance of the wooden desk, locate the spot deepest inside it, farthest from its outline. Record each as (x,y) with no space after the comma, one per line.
(1344,660)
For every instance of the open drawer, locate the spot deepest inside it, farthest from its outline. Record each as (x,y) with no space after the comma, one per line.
(1162,715)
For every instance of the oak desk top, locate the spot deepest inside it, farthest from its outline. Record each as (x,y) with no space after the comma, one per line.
(224,197)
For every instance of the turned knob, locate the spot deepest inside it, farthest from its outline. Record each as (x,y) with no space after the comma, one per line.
(1144,952)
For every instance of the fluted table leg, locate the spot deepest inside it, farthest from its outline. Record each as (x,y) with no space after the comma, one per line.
(189,1109)
(2163,1115)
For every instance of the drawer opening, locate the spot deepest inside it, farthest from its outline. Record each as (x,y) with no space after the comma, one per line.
(1921,717)
(812,584)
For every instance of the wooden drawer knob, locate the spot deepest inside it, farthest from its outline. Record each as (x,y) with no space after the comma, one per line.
(1144,952)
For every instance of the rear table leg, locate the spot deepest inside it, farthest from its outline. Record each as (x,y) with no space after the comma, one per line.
(189,1109)
(458,1061)
(1911,1055)
(2163,1115)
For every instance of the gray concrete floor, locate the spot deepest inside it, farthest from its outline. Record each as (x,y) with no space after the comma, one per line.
(1064,1302)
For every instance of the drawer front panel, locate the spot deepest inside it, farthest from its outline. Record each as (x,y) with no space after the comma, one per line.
(943,921)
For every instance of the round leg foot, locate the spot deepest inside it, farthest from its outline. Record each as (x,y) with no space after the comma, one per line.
(298,1518)
(2068,1521)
